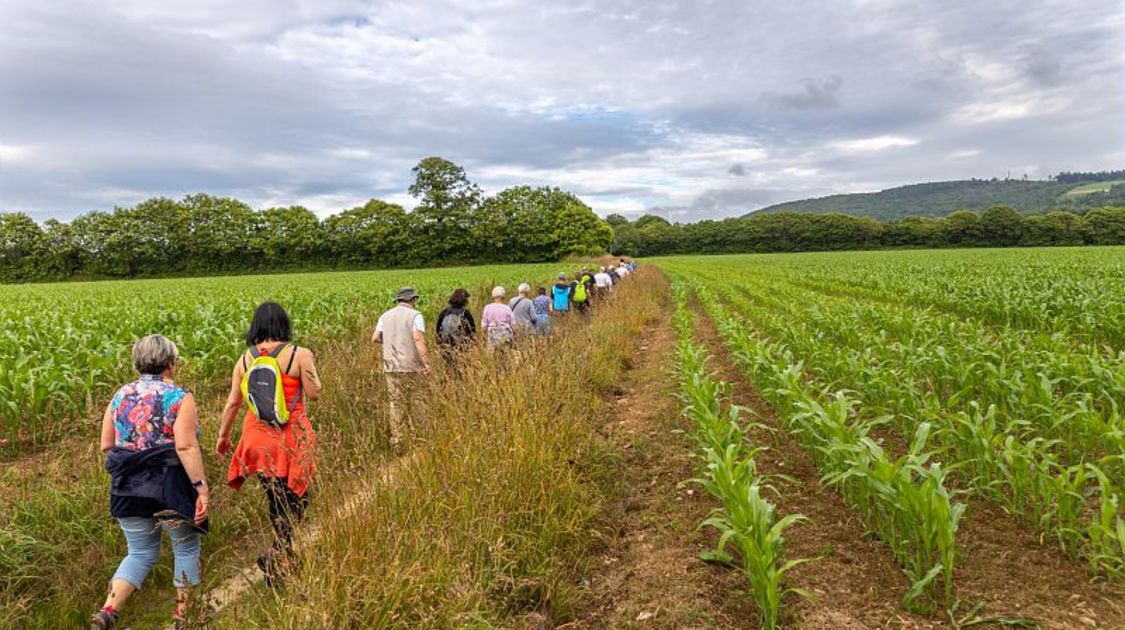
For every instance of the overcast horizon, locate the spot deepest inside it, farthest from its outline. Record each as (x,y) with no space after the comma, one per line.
(696,109)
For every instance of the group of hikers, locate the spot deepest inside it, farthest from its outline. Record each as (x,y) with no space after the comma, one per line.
(150,430)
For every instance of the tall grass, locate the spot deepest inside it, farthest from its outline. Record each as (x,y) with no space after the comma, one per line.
(490,514)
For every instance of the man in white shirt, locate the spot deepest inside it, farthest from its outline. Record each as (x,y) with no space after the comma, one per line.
(402,332)
(603,283)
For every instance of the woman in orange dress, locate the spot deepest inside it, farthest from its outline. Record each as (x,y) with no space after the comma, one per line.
(281,457)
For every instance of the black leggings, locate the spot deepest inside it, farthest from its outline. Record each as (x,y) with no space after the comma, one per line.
(286,510)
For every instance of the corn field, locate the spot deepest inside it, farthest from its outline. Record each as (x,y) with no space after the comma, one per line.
(920,380)
(64,347)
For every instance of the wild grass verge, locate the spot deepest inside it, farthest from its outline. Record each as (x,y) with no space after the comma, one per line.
(494,509)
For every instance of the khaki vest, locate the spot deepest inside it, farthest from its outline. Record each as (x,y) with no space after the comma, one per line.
(399,352)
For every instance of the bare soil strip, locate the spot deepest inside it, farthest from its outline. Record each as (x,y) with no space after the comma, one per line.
(858,583)
(650,574)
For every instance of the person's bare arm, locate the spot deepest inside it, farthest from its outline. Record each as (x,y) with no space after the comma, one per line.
(191,455)
(420,344)
(310,379)
(234,403)
(107,436)
(187,441)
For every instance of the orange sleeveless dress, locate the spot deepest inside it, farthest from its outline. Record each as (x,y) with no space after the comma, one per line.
(276,452)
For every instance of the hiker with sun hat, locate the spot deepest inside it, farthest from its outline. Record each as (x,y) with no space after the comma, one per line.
(402,333)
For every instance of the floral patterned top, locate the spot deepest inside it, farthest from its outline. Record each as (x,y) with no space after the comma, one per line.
(144,412)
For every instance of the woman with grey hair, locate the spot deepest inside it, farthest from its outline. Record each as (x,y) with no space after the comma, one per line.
(498,321)
(523,312)
(150,435)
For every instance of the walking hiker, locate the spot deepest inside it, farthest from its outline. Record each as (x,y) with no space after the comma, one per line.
(273,377)
(402,331)
(150,435)
(614,275)
(561,294)
(542,308)
(498,322)
(455,326)
(523,310)
(583,289)
(603,283)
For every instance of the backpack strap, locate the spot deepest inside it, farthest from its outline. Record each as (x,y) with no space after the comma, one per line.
(292,357)
(296,396)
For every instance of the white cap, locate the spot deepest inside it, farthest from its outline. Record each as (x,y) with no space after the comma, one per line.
(499,292)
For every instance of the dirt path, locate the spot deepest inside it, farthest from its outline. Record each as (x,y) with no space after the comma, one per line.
(249,576)
(650,574)
(858,582)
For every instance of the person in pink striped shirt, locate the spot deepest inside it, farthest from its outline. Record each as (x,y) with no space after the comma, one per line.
(498,322)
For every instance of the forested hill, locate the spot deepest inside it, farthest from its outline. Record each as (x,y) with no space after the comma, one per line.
(938,199)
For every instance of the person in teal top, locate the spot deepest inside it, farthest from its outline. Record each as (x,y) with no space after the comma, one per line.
(561,293)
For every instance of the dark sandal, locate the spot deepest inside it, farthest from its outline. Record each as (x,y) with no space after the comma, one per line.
(103,621)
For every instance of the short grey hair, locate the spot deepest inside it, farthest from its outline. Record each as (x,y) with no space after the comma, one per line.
(154,353)
(525,288)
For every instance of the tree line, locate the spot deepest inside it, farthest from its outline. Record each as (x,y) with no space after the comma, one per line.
(999,226)
(454,223)
(1089,176)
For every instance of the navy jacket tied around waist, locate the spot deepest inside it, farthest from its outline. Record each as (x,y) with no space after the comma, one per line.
(155,474)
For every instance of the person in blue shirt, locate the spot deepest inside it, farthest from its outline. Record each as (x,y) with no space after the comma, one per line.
(561,294)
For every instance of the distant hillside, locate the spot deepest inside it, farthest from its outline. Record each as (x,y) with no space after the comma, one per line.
(938,199)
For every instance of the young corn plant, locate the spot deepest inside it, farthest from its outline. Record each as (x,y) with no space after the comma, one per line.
(904,500)
(744,519)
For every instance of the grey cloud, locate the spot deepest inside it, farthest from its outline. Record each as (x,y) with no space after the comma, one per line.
(336,99)
(726,202)
(813,95)
(1042,66)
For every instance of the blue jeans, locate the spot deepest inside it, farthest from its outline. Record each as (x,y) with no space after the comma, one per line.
(142,536)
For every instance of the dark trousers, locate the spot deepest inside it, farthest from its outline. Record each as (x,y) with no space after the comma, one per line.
(286,510)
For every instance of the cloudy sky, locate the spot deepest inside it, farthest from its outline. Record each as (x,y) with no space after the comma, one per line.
(697,108)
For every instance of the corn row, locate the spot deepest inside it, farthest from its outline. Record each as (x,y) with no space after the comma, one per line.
(744,519)
(904,500)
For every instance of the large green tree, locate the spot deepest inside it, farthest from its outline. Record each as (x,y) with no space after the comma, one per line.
(377,234)
(21,248)
(289,237)
(1001,226)
(1106,226)
(447,203)
(221,234)
(517,224)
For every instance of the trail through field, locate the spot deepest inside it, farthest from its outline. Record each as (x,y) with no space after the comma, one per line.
(247,577)
(856,580)
(650,574)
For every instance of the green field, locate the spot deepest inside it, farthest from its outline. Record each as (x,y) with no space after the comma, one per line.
(995,374)
(935,393)
(65,346)
(1093,187)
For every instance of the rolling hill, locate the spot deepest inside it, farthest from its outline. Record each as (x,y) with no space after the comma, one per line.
(937,199)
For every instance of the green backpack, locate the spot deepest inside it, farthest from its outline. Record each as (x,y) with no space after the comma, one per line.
(580,295)
(262,387)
